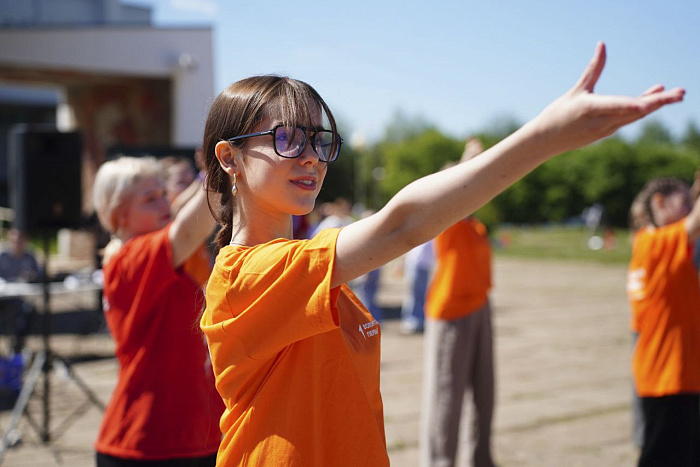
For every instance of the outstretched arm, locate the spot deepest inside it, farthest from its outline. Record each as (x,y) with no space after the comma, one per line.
(431,204)
(692,221)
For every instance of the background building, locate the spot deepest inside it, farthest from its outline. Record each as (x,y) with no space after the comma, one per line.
(101,67)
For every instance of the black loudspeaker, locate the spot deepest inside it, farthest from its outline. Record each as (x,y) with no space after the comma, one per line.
(45,178)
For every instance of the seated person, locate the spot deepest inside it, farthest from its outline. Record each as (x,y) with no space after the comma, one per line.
(17,264)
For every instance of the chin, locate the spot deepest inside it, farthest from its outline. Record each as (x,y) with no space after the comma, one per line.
(301,211)
(303,207)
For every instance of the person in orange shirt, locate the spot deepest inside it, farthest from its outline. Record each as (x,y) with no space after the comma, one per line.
(664,294)
(295,354)
(458,342)
(164,409)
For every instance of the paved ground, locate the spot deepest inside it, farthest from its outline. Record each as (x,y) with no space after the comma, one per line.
(563,350)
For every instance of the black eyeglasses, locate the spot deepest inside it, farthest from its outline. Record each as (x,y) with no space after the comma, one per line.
(290,141)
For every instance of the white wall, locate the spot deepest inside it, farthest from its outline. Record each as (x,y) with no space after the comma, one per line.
(126,51)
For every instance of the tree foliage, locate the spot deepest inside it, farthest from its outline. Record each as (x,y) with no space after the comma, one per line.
(610,172)
(415,157)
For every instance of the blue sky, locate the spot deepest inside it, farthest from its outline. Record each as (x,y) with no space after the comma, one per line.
(460,65)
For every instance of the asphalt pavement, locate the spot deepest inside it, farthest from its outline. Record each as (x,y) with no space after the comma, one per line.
(563,350)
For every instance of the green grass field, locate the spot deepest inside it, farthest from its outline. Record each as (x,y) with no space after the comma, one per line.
(562,243)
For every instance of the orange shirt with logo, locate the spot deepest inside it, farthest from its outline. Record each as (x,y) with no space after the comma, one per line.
(664,293)
(463,273)
(296,362)
(164,405)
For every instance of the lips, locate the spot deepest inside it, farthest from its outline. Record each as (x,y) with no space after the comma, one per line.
(305,183)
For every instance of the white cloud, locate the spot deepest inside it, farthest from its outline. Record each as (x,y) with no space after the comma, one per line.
(205,7)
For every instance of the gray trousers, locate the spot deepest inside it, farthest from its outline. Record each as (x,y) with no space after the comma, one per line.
(458,357)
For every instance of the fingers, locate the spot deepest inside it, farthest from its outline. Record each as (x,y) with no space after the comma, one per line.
(656,100)
(647,103)
(593,71)
(653,90)
(619,111)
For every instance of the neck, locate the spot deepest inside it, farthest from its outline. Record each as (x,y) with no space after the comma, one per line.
(259,227)
(124,236)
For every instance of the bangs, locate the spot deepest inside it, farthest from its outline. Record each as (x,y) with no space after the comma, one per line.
(295,103)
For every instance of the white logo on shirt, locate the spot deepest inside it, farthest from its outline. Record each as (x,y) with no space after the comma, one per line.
(372,329)
(635,284)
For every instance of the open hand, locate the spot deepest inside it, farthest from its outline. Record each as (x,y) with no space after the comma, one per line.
(581,117)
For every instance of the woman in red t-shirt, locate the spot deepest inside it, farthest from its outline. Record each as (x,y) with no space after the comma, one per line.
(164,409)
(295,356)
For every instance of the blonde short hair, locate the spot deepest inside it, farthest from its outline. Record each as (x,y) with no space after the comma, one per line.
(114,184)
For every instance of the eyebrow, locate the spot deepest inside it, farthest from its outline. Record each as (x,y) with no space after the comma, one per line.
(313,128)
(150,191)
(278,122)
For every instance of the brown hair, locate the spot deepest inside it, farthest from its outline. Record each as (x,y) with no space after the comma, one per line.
(237,110)
(641,214)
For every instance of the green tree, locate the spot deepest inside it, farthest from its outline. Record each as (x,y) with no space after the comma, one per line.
(610,172)
(415,157)
(341,175)
(655,132)
(691,137)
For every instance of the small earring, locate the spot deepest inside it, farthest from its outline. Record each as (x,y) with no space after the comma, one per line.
(234,188)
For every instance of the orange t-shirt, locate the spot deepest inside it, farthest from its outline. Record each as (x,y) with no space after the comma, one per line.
(164,405)
(663,289)
(296,362)
(463,273)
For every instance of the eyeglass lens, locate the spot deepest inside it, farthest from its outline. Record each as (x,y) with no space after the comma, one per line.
(290,142)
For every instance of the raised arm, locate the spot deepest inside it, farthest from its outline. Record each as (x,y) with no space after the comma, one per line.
(692,221)
(192,226)
(181,200)
(431,204)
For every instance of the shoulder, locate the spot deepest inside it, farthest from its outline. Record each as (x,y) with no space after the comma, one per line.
(29,256)
(667,233)
(279,252)
(663,242)
(143,249)
(150,243)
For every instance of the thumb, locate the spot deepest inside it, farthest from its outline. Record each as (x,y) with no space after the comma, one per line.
(590,76)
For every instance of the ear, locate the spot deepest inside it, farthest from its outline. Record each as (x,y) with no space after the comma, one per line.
(657,200)
(657,204)
(226,154)
(121,219)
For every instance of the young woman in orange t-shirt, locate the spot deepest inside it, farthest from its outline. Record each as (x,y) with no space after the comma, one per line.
(664,294)
(295,355)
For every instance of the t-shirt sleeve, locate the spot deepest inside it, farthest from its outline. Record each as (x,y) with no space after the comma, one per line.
(276,294)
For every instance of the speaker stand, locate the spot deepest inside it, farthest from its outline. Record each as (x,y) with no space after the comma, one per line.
(45,361)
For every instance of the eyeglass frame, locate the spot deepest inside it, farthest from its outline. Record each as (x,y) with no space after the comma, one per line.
(305,130)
